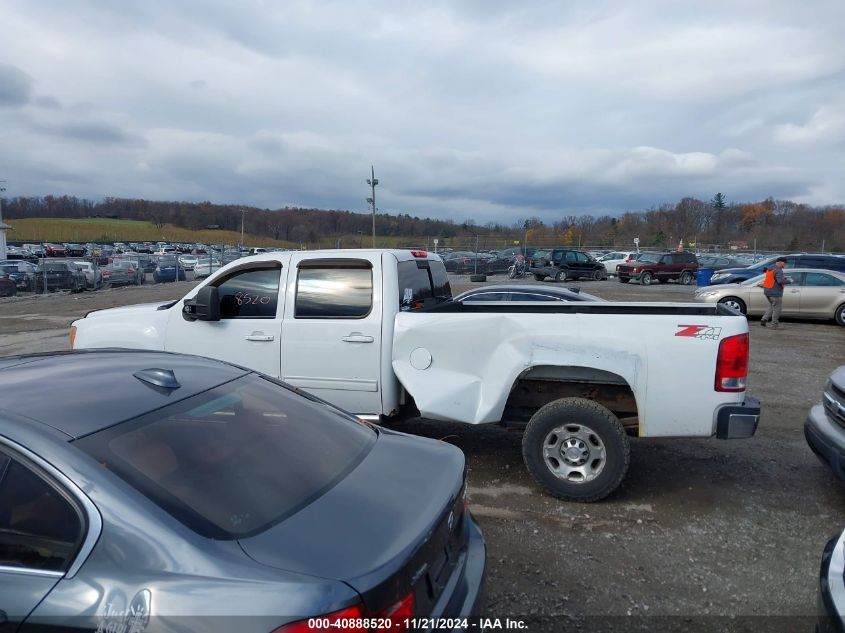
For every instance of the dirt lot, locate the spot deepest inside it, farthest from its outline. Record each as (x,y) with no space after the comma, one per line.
(702,535)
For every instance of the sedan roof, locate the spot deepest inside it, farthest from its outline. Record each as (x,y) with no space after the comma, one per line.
(564,294)
(85,391)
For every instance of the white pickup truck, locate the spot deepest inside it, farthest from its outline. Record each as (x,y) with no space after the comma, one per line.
(373,332)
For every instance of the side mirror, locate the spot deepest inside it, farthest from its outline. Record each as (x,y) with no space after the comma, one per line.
(205,306)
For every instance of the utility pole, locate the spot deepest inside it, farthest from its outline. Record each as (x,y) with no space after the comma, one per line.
(525,241)
(243,215)
(373,181)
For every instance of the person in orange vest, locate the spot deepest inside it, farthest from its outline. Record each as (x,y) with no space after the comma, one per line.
(773,284)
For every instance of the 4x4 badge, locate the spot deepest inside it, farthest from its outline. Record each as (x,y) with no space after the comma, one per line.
(700,332)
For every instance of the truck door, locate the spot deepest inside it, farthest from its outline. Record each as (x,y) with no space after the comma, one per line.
(250,327)
(331,338)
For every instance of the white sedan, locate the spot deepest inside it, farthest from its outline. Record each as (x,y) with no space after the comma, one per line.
(612,260)
(813,294)
(188,262)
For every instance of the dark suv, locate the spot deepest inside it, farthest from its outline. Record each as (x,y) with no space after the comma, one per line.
(566,263)
(804,260)
(661,267)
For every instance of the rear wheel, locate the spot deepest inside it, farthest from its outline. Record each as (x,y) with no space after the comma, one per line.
(840,314)
(646,279)
(734,302)
(576,449)
(539,277)
(686,278)
(561,275)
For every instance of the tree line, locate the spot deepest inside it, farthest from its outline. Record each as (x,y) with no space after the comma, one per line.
(765,225)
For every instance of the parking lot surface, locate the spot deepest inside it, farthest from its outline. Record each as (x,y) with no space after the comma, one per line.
(702,535)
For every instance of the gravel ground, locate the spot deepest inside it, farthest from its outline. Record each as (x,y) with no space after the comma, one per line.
(702,534)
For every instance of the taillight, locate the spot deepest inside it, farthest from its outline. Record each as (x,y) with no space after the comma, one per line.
(131,271)
(418,253)
(732,363)
(397,614)
(336,621)
(466,260)
(72,335)
(393,619)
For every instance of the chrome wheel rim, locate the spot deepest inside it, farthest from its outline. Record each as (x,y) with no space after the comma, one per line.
(574,453)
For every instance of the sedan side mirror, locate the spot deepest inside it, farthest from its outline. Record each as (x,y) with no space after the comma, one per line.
(205,306)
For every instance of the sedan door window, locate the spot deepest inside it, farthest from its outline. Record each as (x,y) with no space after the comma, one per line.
(39,527)
(821,279)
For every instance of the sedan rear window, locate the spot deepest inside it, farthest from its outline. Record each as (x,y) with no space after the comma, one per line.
(237,459)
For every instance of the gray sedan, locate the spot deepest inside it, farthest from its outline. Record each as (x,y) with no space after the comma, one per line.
(188,494)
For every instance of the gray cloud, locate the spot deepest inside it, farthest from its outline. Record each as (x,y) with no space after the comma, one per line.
(486,109)
(47,102)
(15,86)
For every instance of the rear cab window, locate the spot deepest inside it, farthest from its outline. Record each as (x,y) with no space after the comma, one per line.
(422,281)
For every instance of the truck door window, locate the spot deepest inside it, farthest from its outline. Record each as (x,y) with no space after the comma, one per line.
(249,294)
(343,292)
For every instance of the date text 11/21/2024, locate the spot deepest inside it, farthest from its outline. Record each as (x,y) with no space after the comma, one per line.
(418,624)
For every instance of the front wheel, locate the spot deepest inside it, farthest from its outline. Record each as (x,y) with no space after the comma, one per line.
(646,279)
(686,278)
(511,272)
(735,303)
(597,275)
(539,277)
(576,450)
(624,280)
(840,314)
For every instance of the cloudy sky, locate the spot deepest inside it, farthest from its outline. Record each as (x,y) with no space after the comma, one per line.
(480,109)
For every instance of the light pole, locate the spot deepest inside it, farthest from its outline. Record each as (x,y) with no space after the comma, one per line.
(373,181)
(525,241)
(243,215)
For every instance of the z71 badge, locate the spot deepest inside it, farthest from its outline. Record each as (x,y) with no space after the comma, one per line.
(704,332)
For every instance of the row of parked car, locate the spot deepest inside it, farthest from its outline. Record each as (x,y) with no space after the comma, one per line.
(76,275)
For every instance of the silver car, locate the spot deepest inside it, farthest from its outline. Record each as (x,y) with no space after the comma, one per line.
(814,294)
(93,274)
(192,495)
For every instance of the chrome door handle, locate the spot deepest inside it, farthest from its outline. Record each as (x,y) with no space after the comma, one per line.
(358,338)
(259,336)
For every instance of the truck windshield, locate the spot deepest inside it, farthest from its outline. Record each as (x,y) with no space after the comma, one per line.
(234,460)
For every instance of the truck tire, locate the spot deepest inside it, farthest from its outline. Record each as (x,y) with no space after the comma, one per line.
(576,450)
(646,278)
(561,275)
(539,277)
(686,278)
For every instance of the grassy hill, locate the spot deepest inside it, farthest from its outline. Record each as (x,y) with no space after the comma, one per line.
(111,230)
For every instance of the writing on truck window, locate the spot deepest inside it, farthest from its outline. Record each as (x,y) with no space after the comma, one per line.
(250,294)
